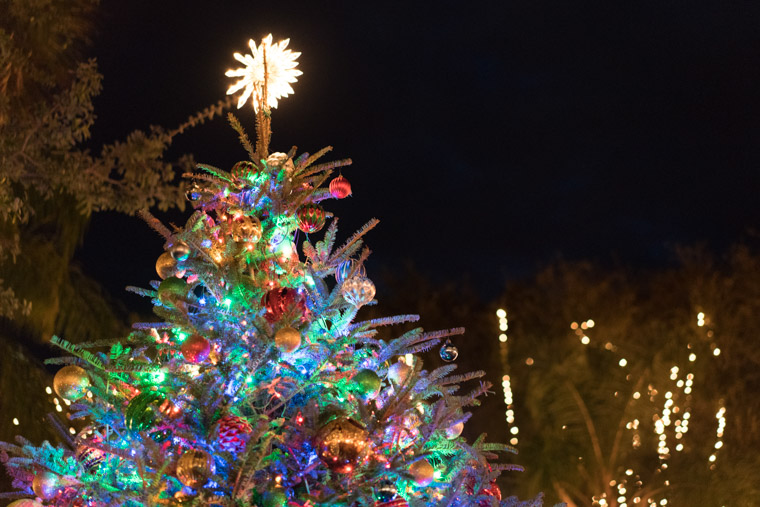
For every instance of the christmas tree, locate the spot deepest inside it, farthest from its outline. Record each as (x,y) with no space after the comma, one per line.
(259,386)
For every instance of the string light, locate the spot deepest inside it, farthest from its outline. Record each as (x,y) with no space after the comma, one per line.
(506,383)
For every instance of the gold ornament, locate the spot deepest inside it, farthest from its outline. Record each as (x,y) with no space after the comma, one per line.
(194,468)
(179,251)
(422,472)
(287,339)
(71,382)
(342,444)
(246,229)
(454,431)
(166,266)
(46,485)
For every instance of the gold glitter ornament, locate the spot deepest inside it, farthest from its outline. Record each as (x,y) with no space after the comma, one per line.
(71,382)
(166,266)
(342,444)
(422,472)
(287,339)
(195,467)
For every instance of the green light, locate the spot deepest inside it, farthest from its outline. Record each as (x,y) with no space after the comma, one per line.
(249,379)
(437,475)
(157,377)
(227,302)
(181,336)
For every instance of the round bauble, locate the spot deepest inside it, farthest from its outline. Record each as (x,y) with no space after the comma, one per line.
(311,217)
(71,382)
(398,372)
(195,467)
(358,290)
(166,266)
(287,339)
(280,160)
(246,229)
(46,484)
(386,491)
(195,349)
(144,410)
(171,291)
(283,301)
(89,456)
(179,251)
(243,169)
(366,384)
(274,498)
(422,472)
(448,351)
(454,430)
(232,433)
(340,187)
(25,502)
(342,444)
(349,268)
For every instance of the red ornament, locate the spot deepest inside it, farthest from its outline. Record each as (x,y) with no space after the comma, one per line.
(311,217)
(195,349)
(282,301)
(340,187)
(243,169)
(233,433)
(491,490)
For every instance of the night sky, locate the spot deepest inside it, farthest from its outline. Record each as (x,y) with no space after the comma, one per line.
(488,137)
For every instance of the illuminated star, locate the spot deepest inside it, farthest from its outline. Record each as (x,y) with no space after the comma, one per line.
(281,71)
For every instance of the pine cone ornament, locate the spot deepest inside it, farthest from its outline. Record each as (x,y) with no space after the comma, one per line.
(233,433)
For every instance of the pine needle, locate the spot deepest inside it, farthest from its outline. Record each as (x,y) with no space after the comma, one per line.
(155,224)
(242,135)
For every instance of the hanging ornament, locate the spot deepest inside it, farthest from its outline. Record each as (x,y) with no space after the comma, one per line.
(25,502)
(396,502)
(340,187)
(280,160)
(274,498)
(448,351)
(171,291)
(283,301)
(344,271)
(46,484)
(342,444)
(143,410)
(311,217)
(399,371)
(422,472)
(195,349)
(366,384)
(358,290)
(179,251)
(246,229)
(71,382)
(90,457)
(287,339)
(454,430)
(386,492)
(232,433)
(243,170)
(195,467)
(166,266)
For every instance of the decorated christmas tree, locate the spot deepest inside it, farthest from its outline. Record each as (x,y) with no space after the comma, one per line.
(259,385)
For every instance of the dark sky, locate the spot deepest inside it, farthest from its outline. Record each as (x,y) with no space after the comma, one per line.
(488,137)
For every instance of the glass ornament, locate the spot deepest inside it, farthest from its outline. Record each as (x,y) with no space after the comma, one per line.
(386,491)
(143,410)
(340,188)
(399,371)
(366,384)
(280,160)
(195,349)
(46,484)
(90,457)
(422,472)
(358,290)
(287,339)
(449,352)
(342,444)
(179,251)
(243,169)
(71,382)
(454,430)
(311,217)
(349,268)
(25,502)
(166,266)
(395,502)
(194,468)
(232,433)
(246,229)
(283,301)
(171,291)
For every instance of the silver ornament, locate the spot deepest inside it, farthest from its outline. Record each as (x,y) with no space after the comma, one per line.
(358,290)
(449,352)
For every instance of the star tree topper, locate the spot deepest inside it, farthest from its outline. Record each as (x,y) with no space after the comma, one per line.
(270,67)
